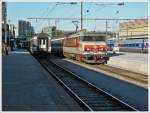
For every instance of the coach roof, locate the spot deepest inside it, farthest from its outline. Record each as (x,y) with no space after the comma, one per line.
(88,34)
(42,35)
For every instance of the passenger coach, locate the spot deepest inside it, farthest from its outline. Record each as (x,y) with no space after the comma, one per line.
(57,46)
(139,45)
(40,42)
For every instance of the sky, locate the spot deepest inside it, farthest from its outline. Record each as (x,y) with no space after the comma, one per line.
(23,10)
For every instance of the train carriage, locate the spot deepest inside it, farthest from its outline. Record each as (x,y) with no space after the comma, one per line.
(133,45)
(129,45)
(57,46)
(40,42)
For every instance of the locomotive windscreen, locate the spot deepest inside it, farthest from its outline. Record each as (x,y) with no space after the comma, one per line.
(93,38)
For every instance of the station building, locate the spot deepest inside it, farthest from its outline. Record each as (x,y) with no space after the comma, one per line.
(134,29)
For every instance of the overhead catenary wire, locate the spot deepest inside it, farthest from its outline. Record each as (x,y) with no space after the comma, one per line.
(48,12)
(42,15)
(64,18)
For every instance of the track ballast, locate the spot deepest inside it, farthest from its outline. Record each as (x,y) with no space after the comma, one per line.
(87,95)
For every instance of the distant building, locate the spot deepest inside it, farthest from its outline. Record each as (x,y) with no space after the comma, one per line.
(32,32)
(51,31)
(22,28)
(48,30)
(25,29)
(10,32)
(12,29)
(4,11)
(134,29)
(16,32)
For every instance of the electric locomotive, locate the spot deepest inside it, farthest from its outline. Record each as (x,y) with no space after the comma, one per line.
(86,47)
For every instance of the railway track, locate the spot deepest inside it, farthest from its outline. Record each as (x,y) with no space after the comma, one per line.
(87,95)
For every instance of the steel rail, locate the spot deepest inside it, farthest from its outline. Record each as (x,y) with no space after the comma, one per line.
(87,95)
(112,103)
(83,105)
(95,87)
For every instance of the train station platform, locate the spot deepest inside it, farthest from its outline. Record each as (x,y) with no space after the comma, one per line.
(26,87)
(136,62)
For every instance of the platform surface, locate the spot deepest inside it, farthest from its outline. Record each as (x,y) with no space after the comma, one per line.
(25,86)
(136,62)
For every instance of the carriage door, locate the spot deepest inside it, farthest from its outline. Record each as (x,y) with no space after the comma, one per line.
(43,44)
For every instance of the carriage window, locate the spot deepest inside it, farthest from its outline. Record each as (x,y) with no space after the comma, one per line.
(137,45)
(125,45)
(44,42)
(129,45)
(133,45)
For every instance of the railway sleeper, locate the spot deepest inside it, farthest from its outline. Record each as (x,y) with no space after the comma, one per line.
(98,96)
(99,101)
(109,109)
(104,106)
(96,104)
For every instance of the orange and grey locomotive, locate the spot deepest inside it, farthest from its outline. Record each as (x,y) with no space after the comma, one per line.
(86,47)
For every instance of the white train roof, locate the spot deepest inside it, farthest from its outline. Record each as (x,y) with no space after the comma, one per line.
(88,34)
(57,39)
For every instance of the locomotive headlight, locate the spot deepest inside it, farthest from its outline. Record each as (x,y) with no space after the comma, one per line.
(35,38)
(101,49)
(88,49)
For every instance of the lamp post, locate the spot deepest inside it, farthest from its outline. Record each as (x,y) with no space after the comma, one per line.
(81,16)
(117,34)
(9,32)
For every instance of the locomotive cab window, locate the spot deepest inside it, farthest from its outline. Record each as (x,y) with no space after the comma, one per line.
(70,42)
(93,38)
(99,38)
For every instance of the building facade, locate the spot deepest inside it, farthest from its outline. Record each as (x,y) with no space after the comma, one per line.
(134,29)
(25,29)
